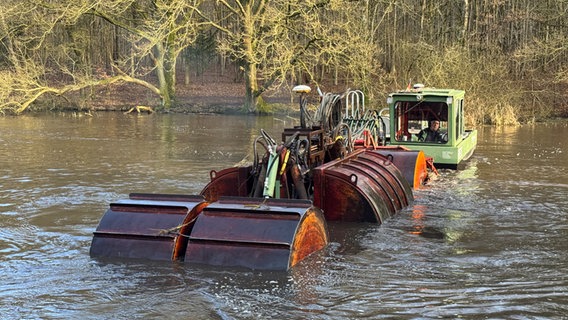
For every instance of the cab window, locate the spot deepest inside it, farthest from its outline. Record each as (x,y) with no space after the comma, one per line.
(421,121)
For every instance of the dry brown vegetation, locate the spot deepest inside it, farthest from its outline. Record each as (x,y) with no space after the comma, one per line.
(231,55)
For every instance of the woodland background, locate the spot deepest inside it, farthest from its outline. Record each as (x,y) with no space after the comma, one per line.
(511,56)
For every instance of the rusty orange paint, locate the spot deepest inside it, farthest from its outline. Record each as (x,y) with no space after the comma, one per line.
(180,242)
(420,171)
(311,236)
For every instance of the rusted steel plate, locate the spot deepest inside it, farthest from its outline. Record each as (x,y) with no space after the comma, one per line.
(391,180)
(311,235)
(411,163)
(349,197)
(144,226)
(131,247)
(140,219)
(383,188)
(165,197)
(244,226)
(265,234)
(391,172)
(246,255)
(235,182)
(364,186)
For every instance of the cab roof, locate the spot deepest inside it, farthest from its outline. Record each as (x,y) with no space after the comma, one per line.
(426,91)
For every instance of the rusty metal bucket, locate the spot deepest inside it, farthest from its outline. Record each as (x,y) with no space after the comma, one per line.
(231,182)
(240,232)
(365,186)
(256,233)
(145,226)
(411,163)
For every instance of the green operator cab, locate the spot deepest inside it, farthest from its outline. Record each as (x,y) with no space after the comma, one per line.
(431,120)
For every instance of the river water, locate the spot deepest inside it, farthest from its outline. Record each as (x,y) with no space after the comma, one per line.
(487,242)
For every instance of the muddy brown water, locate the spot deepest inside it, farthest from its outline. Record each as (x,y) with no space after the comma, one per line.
(488,242)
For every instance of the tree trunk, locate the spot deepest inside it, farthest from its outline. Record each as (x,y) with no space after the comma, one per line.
(251,81)
(170,60)
(165,71)
(186,70)
(465,27)
(251,88)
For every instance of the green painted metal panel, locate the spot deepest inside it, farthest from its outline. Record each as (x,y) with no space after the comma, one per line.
(461,143)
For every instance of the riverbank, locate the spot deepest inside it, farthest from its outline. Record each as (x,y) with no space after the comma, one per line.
(211,97)
(222,95)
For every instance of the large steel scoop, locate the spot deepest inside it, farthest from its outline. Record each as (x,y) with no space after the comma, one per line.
(239,232)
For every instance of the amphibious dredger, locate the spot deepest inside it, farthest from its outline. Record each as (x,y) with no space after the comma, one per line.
(271,214)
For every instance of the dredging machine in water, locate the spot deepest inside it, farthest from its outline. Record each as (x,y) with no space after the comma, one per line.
(343,163)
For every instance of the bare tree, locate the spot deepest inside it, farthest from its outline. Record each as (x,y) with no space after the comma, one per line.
(274,42)
(252,29)
(52,48)
(156,31)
